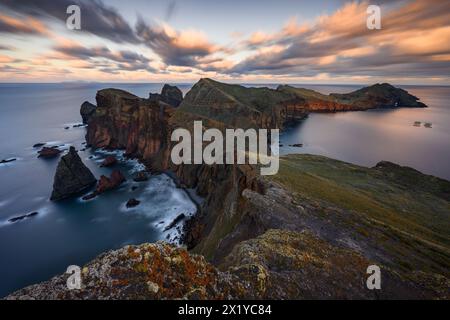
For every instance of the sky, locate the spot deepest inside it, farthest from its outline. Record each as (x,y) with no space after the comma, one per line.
(245,41)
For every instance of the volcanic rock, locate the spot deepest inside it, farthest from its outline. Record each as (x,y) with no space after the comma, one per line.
(141,176)
(175,221)
(8,160)
(132,203)
(109,161)
(87,110)
(113,182)
(47,152)
(71,177)
(169,94)
(15,219)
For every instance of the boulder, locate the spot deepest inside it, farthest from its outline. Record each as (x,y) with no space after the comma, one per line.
(113,182)
(8,160)
(132,203)
(39,145)
(141,176)
(47,152)
(109,161)
(18,218)
(106,184)
(175,221)
(71,177)
(87,110)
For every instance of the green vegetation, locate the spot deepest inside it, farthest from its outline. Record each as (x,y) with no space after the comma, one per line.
(398,208)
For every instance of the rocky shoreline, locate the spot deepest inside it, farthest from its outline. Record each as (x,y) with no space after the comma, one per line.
(283,238)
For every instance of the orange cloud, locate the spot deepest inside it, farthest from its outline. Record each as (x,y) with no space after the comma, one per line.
(25,25)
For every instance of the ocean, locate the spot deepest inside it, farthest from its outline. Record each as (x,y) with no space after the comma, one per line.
(73,231)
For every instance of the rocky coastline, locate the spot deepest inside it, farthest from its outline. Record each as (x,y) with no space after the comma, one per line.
(292,236)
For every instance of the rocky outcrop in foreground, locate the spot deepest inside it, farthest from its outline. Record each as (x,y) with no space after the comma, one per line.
(71,177)
(279,264)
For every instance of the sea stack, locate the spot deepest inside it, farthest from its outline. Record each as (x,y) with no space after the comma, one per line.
(71,177)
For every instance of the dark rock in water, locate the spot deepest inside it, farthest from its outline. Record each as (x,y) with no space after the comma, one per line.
(38,145)
(296,145)
(109,161)
(47,152)
(78,125)
(89,196)
(15,219)
(428,125)
(8,160)
(175,221)
(113,182)
(169,94)
(67,128)
(87,110)
(141,176)
(133,188)
(132,203)
(417,124)
(71,177)
(106,184)
(32,214)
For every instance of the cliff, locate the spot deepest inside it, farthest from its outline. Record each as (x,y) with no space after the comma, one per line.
(125,121)
(372,97)
(310,235)
(308,232)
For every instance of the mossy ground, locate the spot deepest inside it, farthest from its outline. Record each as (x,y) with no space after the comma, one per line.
(411,224)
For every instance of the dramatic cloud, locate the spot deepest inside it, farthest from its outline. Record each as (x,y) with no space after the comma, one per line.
(25,26)
(124,60)
(183,48)
(97,18)
(413,41)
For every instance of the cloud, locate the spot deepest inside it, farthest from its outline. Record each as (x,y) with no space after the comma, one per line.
(10,24)
(412,41)
(183,48)
(124,60)
(97,18)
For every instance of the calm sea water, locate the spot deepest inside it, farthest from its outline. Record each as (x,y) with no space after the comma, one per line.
(75,231)
(72,231)
(367,137)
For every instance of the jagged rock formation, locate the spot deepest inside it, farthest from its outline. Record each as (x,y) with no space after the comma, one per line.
(169,94)
(71,177)
(125,121)
(308,232)
(87,110)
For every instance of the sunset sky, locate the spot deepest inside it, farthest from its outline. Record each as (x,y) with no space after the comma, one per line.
(289,41)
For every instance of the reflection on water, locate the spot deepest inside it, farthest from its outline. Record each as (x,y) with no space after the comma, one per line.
(368,137)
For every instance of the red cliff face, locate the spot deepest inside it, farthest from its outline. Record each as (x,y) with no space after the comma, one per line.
(124,121)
